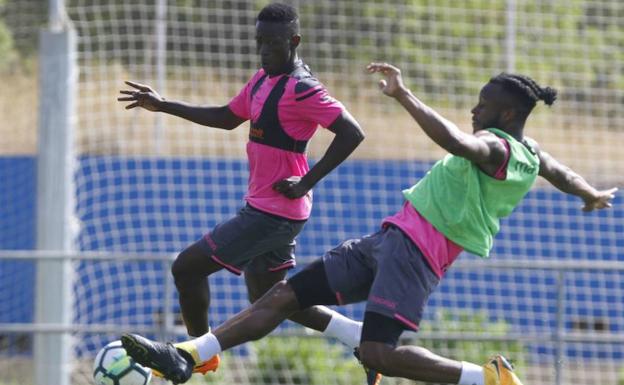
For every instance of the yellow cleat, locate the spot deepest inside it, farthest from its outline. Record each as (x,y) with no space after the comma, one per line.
(498,371)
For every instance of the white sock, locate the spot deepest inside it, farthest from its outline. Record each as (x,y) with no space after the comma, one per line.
(344,329)
(471,374)
(207,346)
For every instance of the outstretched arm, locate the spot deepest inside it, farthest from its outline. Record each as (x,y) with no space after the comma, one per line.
(566,180)
(348,136)
(144,96)
(482,148)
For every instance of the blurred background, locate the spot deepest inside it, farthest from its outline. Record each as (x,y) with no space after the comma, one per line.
(95,201)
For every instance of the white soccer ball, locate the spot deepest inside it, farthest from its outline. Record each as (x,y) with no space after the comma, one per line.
(112,366)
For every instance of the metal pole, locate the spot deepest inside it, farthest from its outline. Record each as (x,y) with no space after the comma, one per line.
(55,204)
(57,18)
(559,330)
(510,36)
(161,67)
(167,320)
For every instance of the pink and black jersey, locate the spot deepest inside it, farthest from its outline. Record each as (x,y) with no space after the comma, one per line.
(284,113)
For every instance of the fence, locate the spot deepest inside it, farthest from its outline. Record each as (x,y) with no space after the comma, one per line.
(130,182)
(580,353)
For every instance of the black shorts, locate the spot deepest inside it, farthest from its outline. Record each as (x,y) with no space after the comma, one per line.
(311,288)
(387,270)
(253,241)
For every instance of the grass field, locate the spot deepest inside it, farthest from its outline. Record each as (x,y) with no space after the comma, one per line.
(19,372)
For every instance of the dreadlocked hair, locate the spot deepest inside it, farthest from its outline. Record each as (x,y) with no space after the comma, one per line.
(526,89)
(278,13)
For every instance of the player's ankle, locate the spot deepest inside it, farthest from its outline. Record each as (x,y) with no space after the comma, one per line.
(188,356)
(189,350)
(202,348)
(471,374)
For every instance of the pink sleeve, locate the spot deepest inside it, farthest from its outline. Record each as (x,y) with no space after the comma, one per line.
(501,173)
(316,105)
(240,105)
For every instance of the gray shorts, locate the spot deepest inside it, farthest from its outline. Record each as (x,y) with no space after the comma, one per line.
(387,270)
(253,241)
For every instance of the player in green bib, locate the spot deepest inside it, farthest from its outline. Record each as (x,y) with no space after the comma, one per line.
(465,203)
(456,206)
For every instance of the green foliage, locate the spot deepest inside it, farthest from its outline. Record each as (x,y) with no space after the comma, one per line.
(7,50)
(469,350)
(310,361)
(445,47)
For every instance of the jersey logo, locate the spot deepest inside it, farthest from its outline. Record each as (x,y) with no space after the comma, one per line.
(525,168)
(256,133)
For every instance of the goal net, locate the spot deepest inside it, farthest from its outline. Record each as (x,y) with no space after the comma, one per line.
(151,184)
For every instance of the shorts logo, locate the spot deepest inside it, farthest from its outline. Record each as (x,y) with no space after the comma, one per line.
(384,302)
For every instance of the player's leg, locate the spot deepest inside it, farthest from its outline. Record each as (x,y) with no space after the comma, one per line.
(310,287)
(316,317)
(320,318)
(190,271)
(264,315)
(401,269)
(307,288)
(379,350)
(231,245)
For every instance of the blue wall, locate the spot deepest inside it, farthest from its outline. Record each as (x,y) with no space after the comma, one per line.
(164,204)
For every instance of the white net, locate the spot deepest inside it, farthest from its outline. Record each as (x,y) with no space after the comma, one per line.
(150,183)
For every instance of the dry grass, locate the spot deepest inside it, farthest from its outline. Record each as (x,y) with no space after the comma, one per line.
(585,143)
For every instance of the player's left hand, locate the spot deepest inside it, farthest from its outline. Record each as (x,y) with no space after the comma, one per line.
(293,187)
(601,200)
(392,85)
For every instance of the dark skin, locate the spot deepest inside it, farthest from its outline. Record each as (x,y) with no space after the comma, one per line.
(277,49)
(494,109)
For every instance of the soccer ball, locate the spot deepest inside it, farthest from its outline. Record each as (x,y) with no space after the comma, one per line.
(113,366)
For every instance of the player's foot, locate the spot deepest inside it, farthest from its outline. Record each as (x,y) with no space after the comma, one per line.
(208,366)
(202,367)
(498,371)
(174,364)
(373,377)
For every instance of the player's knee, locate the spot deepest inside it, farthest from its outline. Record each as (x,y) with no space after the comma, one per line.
(178,269)
(376,356)
(280,297)
(184,273)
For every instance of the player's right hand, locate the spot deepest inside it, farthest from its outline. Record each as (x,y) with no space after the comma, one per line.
(392,85)
(600,200)
(142,96)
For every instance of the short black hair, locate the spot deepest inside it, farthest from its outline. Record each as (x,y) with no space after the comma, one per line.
(278,13)
(525,89)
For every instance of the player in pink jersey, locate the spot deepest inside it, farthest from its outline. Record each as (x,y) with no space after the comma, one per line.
(284,104)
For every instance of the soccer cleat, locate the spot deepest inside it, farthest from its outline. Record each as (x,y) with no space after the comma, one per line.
(373,377)
(204,366)
(208,366)
(498,371)
(173,364)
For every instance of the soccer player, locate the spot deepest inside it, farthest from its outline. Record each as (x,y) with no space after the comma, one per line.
(455,207)
(285,105)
